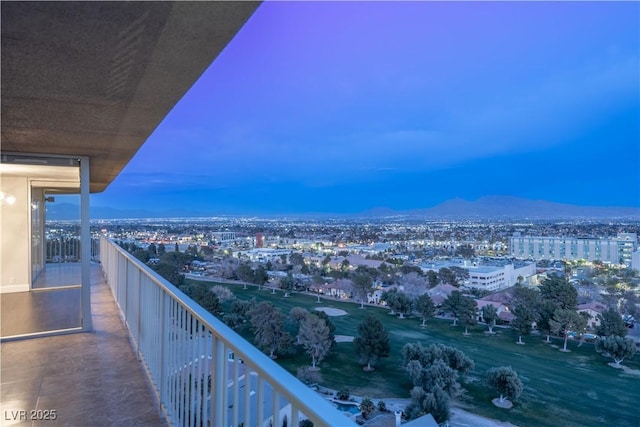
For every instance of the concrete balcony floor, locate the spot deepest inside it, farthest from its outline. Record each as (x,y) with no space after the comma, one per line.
(89,379)
(52,305)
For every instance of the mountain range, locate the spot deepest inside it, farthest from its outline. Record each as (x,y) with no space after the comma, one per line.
(489,207)
(513,208)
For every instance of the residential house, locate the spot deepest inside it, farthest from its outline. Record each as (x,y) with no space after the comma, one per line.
(592,309)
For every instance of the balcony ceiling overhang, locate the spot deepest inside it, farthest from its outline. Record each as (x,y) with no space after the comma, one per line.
(96,78)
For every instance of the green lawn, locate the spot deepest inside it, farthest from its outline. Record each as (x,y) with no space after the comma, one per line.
(568,389)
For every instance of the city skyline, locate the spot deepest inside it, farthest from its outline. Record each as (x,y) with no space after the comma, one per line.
(348,106)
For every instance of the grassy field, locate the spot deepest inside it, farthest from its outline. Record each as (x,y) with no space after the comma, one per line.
(561,389)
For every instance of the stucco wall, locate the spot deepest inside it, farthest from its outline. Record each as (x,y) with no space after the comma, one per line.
(14,232)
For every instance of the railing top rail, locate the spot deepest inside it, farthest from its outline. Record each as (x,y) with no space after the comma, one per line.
(295,391)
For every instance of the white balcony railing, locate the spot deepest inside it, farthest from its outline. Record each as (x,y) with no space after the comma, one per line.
(204,373)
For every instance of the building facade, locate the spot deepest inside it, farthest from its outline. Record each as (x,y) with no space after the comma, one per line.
(495,278)
(635,261)
(616,250)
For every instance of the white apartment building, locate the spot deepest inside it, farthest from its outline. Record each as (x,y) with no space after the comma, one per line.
(223,236)
(491,275)
(495,278)
(635,261)
(264,254)
(617,250)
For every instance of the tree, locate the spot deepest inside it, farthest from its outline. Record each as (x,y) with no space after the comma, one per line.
(162,249)
(465,251)
(546,309)
(143,255)
(453,304)
(177,259)
(506,382)
(314,336)
(207,299)
(367,407)
(562,293)
(460,273)
(170,273)
(407,269)
(523,321)
(436,365)
(630,303)
(426,308)
(413,283)
(616,347)
(260,276)
(468,313)
(308,376)
(192,250)
(239,313)
(372,342)
(390,297)
(343,394)
(332,328)
(490,315)
(436,374)
(223,294)
(245,274)
(611,323)
(565,321)
(361,286)
(268,326)
(453,357)
(298,314)
(436,402)
(432,278)
(287,284)
(525,310)
(402,304)
(446,276)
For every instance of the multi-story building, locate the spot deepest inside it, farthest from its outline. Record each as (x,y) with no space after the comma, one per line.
(489,274)
(635,260)
(84,84)
(495,278)
(617,250)
(223,236)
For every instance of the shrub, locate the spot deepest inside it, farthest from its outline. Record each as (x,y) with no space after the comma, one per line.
(367,407)
(343,394)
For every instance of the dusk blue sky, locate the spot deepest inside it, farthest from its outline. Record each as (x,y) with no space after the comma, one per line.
(341,107)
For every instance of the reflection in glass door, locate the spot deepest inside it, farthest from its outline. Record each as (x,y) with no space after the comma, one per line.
(51,265)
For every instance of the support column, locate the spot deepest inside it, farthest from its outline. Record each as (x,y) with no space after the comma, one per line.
(85,246)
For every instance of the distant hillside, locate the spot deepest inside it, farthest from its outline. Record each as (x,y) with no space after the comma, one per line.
(509,207)
(498,207)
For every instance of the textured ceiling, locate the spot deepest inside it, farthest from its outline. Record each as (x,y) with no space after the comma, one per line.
(96,78)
